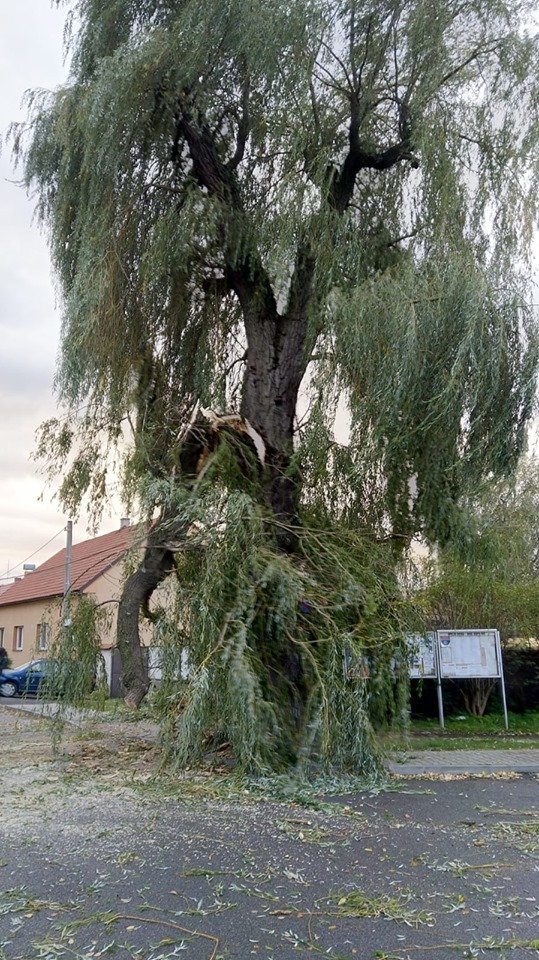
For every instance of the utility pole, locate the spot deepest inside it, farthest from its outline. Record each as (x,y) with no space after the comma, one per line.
(66,603)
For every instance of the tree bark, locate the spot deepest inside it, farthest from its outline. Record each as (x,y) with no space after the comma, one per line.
(274,369)
(158,562)
(275,365)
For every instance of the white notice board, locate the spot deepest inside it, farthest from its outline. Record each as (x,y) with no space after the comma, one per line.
(469,653)
(422,655)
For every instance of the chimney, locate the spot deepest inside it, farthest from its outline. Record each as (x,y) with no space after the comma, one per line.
(28,568)
(124,522)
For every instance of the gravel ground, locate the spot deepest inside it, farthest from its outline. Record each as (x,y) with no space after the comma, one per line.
(99,858)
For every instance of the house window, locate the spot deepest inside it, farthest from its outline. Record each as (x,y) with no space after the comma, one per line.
(43,636)
(18,638)
(1,636)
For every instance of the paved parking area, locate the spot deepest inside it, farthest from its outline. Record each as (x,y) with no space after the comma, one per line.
(101,859)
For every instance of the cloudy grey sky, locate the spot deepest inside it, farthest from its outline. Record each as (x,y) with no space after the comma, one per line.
(31,56)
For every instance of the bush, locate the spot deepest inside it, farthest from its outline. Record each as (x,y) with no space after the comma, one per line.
(521,669)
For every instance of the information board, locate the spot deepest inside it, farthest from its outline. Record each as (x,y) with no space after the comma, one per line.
(469,653)
(456,655)
(422,656)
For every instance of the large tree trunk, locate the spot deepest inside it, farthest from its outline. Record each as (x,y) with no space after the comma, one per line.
(158,562)
(270,394)
(275,366)
(274,370)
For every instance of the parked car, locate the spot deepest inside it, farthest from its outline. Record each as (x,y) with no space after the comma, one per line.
(25,679)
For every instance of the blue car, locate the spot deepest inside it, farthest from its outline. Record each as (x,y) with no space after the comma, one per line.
(25,679)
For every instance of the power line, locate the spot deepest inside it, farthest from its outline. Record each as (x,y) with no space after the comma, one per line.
(42,547)
(102,556)
(99,556)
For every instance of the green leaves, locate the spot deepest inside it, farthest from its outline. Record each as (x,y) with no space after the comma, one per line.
(441,383)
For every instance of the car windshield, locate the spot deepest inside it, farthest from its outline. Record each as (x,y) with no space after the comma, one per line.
(35,665)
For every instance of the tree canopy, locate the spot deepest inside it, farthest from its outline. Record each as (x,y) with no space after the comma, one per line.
(283,210)
(488,576)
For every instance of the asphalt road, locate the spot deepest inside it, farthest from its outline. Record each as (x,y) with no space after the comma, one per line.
(98,860)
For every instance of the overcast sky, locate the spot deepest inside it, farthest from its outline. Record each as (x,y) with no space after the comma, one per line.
(31,55)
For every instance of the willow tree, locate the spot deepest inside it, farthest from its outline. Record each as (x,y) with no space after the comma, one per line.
(265,215)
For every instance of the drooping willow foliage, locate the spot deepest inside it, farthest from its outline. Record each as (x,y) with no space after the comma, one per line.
(300,211)
(76,668)
(244,607)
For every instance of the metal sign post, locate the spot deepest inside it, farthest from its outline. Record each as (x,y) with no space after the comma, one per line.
(502,681)
(439,687)
(424,664)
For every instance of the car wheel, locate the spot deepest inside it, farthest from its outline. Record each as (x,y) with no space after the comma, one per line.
(8,689)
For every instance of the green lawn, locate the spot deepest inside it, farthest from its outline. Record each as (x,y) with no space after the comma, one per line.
(463,732)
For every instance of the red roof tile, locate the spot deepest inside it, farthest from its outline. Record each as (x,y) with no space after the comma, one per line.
(88,561)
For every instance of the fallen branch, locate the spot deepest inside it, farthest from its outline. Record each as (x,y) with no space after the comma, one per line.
(169,923)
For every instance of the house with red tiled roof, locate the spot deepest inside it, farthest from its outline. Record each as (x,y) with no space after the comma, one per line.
(30,608)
